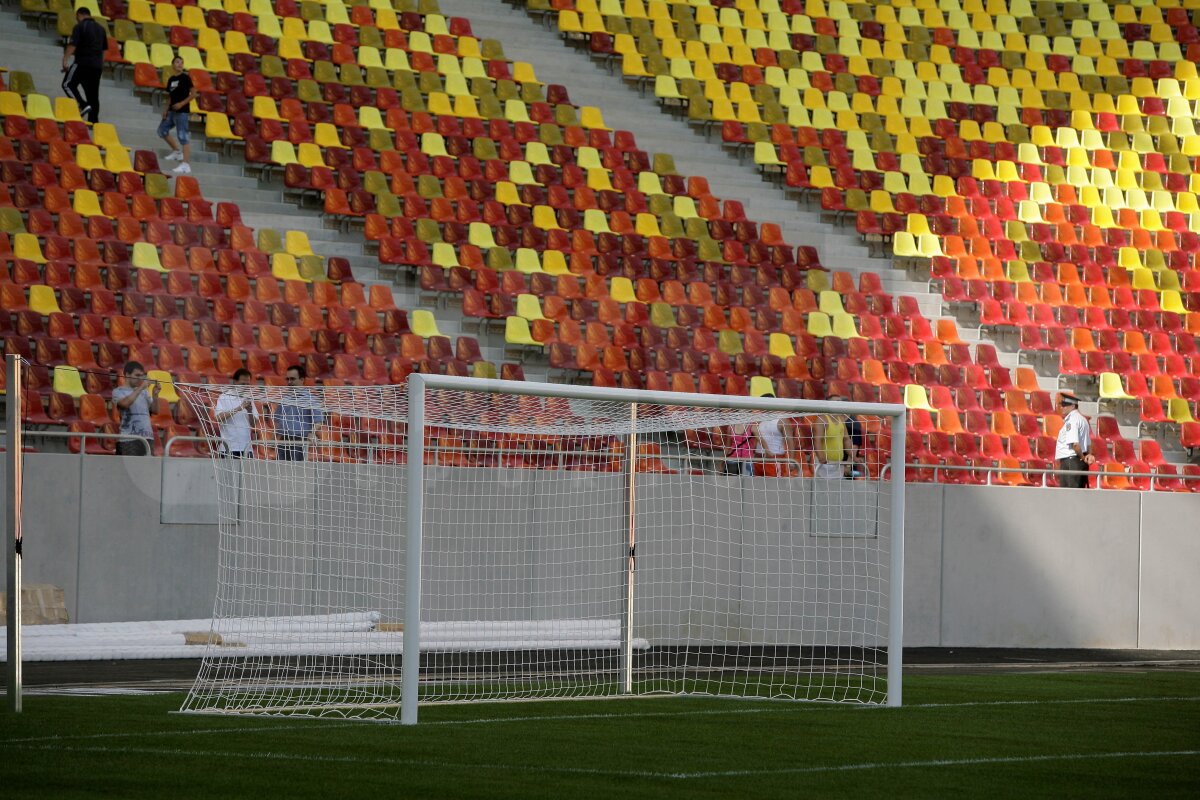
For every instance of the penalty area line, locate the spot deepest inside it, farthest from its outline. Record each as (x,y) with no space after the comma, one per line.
(774,708)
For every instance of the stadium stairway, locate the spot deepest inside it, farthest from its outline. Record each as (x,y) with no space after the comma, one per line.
(225,179)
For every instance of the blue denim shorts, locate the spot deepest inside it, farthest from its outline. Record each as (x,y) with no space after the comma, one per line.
(177,120)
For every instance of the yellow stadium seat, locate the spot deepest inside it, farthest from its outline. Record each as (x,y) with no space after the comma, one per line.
(1179,410)
(536,153)
(915,398)
(86,203)
(216,126)
(370,118)
(516,332)
(621,290)
(68,381)
(780,345)
(1111,387)
(444,255)
(904,245)
(599,180)
(596,221)
(818,324)
(529,307)
(480,235)
(520,173)
(326,135)
(423,324)
(284,267)
(433,144)
(766,157)
(116,160)
(554,262)
(37,106)
(296,243)
(590,117)
(844,326)
(27,246)
(526,260)
(544,217)
(761,386)
(507,194)
(145,256)
(43,300)
(88,157)
(66,109)
(283,152)
(830,302)
(1173,302)
(522,72)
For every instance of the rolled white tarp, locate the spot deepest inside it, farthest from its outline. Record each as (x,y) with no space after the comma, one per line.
(315,635)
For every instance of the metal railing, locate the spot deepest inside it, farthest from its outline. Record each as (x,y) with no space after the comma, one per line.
(83,436)
(710,463)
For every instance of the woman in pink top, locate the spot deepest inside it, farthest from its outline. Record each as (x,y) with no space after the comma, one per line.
(740,453)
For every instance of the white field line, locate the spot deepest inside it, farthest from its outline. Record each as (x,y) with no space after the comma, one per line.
(771,709)
(940,762)
(356,760)
(671,776)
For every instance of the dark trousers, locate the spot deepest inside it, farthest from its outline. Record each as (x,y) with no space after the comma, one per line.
(290,452)
(1072,481)
(83,84)
(133,447)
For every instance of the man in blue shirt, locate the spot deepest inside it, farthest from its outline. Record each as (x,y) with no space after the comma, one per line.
(294,424)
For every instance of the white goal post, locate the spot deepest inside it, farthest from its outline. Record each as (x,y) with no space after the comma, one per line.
(466,540)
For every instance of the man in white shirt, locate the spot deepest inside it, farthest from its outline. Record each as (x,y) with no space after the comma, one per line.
(1073,449)
(233,413)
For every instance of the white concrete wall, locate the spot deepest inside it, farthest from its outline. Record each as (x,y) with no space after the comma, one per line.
(134,538)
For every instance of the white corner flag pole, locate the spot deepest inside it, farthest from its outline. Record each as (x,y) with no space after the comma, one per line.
(13,584)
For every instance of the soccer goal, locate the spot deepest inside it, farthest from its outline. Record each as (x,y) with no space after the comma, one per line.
(463,540)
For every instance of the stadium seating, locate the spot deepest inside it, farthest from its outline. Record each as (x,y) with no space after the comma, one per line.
(1038,161)
(164,278)
(978,137)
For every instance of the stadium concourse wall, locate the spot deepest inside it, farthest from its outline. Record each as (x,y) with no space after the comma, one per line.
(136,539)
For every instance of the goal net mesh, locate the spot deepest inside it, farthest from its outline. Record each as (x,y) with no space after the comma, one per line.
(569,547)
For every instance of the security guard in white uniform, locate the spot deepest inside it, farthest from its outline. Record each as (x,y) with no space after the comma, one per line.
(1073,449)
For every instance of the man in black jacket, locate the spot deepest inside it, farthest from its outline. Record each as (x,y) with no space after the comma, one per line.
(81,79)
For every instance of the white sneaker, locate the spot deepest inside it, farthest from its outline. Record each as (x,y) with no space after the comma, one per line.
(182,169)
(174,155)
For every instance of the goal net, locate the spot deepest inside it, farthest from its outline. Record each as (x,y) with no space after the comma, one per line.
(458,540)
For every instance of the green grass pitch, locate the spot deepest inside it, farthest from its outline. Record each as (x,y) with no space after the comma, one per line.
(1078,734)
